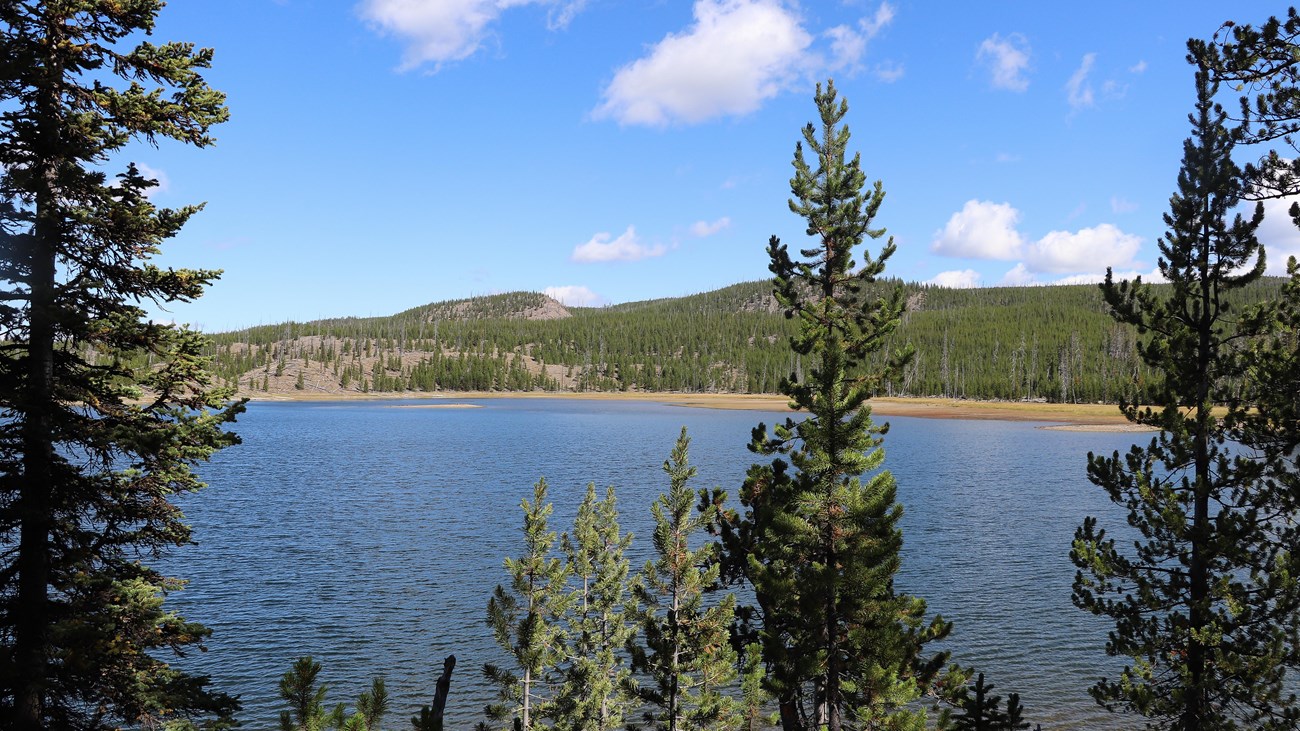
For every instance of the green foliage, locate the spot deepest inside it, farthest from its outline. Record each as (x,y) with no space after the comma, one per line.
(1262,62)
(1206,605)
(687,654)
(820,546)
(1041,343)
(102,413)
(306,699)
(982,711)
(526,621)
(597,691)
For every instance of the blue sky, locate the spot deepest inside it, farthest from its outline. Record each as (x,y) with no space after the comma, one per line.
(382,154)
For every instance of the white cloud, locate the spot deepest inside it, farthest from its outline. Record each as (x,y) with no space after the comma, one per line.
(1278,234)
(440,31)
(708,228)
(883,17)
(1087,249)
(575,295)
(888,71)
(736,55)
(957,279)
(981,230)
(1150,277)
(561,14)
(1078,92)
(1121,205)
(1018,276)
(986,230)
(1007,60)
(626,247)
(1138,67)
(848,45)
(1005,157)
(148,171)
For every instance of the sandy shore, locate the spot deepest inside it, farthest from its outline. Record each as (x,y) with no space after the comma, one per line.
(1083,417)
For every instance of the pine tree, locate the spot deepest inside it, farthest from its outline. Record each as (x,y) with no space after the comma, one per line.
(525,621)
(306,699)
(982,711)
(687,652)
(820,546)
(93,448)
(1263,62)
(596,694)
(1206,605)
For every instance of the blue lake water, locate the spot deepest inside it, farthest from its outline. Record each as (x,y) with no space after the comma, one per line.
(370,536)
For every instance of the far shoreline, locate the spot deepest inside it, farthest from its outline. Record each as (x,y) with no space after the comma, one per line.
(1066,417)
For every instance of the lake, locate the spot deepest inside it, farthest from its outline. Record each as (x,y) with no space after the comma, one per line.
(371,534)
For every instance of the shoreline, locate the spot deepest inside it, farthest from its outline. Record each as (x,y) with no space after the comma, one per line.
(1062,417)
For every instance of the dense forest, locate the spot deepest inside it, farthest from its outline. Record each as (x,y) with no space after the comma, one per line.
(1016,343)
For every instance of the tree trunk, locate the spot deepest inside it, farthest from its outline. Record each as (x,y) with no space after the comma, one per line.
(31,615)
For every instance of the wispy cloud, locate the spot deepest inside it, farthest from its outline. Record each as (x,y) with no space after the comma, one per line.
(1121,205)
(849,43)
(164,183)
(1138,67)
(1078,91)
(437,32)
(702,229)
(1007,60)
(627,247)
(888,71)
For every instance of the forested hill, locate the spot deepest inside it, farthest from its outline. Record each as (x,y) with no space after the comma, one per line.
(1055,343)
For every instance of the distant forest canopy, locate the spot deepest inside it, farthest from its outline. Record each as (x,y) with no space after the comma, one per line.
(1054,343)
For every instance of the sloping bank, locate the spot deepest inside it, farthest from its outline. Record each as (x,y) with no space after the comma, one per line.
(1089,417)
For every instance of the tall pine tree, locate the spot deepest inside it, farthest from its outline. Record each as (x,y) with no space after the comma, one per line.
(820,544)
(525,620)
(1262,62)
(92,448)
(1206,605)
(597,693)
(686,652)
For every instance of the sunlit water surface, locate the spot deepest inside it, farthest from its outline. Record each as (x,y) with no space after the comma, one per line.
(370,536)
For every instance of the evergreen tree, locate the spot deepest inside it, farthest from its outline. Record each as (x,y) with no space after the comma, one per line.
(306,699)
(597,692)
(982,711)
(1206,605)
(525,621)
(820,545)
(687,652)
(753,698)
(102,413)
(1263,61)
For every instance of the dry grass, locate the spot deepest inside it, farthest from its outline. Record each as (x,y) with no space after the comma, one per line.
(1094,416)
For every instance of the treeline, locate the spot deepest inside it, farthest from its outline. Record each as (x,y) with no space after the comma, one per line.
(1013,343)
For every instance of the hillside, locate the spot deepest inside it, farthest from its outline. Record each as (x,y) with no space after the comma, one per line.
(1034,343)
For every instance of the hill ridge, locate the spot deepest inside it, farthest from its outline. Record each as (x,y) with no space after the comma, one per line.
(1011,343)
